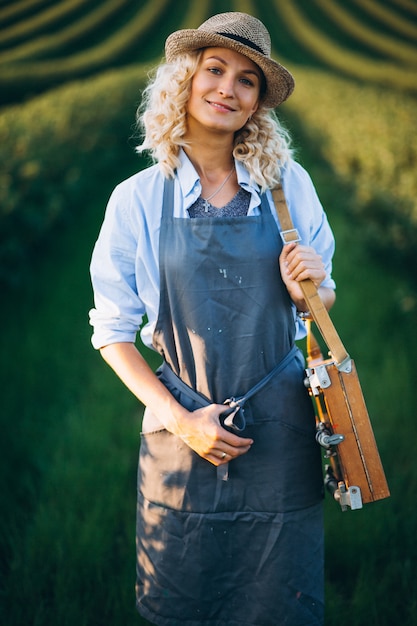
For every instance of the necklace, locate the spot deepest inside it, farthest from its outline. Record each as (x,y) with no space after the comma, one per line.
(206,200)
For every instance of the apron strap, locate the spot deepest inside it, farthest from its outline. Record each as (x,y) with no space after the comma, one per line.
(167,374)
(239,402)
(168,198)
(234,415)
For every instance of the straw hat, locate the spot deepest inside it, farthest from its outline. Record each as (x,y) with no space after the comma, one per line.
(242,33)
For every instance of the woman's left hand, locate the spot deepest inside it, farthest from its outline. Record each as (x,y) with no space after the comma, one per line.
(299,263)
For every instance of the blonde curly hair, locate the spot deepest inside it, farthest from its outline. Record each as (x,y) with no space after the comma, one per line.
(263,144)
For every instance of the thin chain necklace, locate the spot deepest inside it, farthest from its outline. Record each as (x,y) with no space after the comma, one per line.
(206,200)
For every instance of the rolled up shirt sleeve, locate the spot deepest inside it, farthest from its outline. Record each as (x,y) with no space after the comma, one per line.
(309,217)
(311,222)
(118,311)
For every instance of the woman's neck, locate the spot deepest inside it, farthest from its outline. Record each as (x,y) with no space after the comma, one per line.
(210,163)
(210,153)
(216,171)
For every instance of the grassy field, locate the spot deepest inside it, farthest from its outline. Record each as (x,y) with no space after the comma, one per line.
(70,431)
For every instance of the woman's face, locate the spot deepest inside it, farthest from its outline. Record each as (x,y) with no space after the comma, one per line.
(224,92)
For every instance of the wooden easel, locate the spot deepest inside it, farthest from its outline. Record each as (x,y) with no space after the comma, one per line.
(354,475)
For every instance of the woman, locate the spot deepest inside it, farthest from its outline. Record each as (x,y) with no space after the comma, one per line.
(229,522)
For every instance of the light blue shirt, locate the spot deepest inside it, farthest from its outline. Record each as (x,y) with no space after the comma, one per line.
(125,261)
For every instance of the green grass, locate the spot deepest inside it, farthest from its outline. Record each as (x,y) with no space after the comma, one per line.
(73,432)
(371,554)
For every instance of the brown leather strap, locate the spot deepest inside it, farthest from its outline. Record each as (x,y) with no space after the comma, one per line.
(314,354)
(310,292)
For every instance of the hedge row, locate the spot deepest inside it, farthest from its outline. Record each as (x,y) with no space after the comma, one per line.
(48,59)
(50,44)
(41,21)
(372,145)
(340,58)
(21,9)
(408,5)
(60,146)
(389,17)
(58,149)
(386,44)
(19,79)
(367,135)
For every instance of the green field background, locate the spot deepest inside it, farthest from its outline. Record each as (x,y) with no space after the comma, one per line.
(71,73)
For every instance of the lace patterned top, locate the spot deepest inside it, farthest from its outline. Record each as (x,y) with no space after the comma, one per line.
(237,207)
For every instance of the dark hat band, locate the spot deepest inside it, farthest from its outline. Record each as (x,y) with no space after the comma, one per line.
(243,40)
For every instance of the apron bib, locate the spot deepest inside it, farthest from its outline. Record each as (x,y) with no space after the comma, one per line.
(245,551)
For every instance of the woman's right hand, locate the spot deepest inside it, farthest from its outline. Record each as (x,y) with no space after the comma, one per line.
(203,432)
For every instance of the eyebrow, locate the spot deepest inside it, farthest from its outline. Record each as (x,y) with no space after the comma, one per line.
(245,71)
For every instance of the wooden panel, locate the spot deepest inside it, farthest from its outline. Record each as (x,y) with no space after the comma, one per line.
(358,453)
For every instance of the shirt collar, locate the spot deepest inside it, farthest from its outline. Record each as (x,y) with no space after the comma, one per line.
(187,176)
(189,181)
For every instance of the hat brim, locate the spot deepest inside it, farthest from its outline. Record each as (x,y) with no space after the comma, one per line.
(279,81)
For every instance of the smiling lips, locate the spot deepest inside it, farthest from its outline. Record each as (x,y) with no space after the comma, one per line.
(221,106)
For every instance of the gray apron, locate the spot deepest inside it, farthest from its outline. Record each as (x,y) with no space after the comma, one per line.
(247,550)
